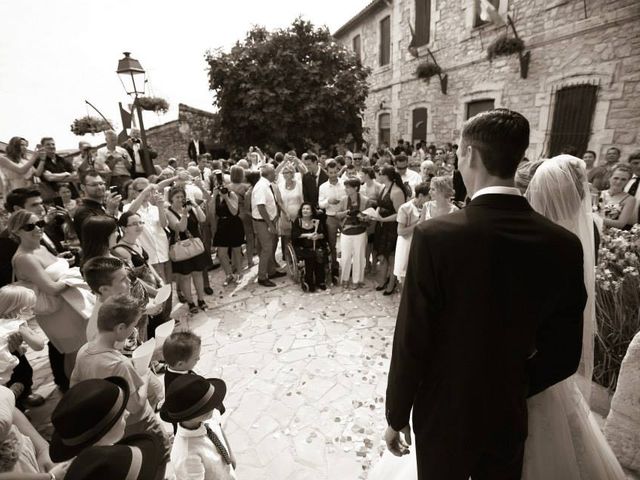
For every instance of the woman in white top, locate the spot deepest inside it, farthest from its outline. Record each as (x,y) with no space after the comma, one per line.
(149,205)
(441,192)
(290,187)
(18,171)
(410,214)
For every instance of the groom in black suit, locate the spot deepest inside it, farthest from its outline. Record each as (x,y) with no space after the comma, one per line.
(491,313)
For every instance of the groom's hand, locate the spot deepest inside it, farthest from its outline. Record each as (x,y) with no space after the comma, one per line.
(396,444)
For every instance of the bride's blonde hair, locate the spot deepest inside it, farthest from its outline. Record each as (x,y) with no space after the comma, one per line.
(14,299)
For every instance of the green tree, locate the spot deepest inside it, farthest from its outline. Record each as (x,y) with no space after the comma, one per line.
(293,87)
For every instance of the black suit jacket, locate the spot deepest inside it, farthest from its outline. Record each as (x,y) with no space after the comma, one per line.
(486,287)
(191,150)
(146,158)
(310,189)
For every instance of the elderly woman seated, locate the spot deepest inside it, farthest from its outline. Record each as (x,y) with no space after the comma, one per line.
(309,241)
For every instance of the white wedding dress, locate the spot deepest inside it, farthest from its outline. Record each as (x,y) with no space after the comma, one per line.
(564,440)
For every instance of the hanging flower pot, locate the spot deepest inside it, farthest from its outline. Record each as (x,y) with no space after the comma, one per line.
(153,104)
(426,70)
(89,124)
(503,46)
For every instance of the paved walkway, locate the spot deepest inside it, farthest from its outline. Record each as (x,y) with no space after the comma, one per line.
(306,375)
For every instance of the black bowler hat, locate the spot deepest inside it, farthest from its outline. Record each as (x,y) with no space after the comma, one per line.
(190,396)
(138,457)
(85,414)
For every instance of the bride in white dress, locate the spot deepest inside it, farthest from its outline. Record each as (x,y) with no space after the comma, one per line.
(564,441)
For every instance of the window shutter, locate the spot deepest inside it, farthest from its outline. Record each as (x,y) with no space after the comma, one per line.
(572,118)
(419,125)
(478,106)
(423,22)
(385,41)
(356,46)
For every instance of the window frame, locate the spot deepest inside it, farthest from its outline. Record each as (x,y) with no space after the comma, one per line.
(381,49)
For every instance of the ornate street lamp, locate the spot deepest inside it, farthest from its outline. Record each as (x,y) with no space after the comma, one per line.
(133,79)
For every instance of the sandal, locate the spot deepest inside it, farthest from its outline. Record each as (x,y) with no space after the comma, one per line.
(193,308)
(202,305)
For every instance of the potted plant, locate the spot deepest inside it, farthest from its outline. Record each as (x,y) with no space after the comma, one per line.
(153,104)
(505,45)
(427,69)
(89,124)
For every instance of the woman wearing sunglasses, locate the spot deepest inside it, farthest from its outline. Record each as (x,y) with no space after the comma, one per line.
(64,301)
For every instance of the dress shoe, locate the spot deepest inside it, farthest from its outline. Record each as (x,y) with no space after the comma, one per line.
(202,305)
(277,275)
(266,283)
(32,400)
(322,286)
(208,290)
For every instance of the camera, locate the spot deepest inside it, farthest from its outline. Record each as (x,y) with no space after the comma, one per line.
(223,190)
(113,189)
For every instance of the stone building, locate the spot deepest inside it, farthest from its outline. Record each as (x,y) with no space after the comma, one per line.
(171,139)
(582,87)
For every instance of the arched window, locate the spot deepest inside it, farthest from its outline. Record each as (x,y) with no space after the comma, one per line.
(419,124)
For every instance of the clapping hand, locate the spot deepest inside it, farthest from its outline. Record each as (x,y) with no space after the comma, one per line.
(113,201)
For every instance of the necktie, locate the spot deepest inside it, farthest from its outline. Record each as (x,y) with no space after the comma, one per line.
(218,444)
(634,186)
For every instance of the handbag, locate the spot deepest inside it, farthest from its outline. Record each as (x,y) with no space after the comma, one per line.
(185,249)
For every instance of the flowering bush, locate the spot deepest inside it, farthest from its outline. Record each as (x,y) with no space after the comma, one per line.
(617,301)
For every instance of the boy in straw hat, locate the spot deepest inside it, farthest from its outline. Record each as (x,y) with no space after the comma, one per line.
(200,449)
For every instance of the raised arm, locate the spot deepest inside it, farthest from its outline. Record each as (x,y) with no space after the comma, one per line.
(7,164)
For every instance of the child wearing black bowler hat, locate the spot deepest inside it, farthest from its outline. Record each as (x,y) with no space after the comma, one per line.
(200,448)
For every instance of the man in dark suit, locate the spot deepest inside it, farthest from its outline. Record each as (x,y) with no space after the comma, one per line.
(312,180)
(196,148)
(491,313)
(141,156)
(31,200)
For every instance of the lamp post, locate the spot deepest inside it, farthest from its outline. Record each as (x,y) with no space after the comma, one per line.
(133,79)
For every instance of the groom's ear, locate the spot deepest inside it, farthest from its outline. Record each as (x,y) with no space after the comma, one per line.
(474,156)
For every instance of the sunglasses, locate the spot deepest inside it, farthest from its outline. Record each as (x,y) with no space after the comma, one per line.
(30,227)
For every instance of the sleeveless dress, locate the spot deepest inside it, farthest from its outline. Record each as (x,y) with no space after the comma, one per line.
(63,318)
(408,214)
(611,209)
(196,264)
(229,231)
(386,234)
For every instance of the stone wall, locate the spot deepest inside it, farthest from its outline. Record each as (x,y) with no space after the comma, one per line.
(171,139)
(566,48)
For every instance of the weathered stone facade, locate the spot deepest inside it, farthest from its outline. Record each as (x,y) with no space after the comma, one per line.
(567,48)
(171,139)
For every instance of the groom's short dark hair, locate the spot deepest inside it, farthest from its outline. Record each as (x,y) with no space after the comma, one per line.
(501,136)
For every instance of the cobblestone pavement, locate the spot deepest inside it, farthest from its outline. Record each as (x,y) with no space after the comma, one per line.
(306,375)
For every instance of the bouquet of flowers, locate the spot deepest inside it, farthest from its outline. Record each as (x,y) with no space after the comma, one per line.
(617,301)
(153,104)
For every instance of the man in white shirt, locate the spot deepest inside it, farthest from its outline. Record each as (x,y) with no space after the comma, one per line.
(264,213)
(632,187)
(330,194)
(116,158)
(408,176)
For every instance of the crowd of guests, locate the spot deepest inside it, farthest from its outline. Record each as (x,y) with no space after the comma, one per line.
(91,241)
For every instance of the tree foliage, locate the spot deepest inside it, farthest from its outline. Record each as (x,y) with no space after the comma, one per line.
(294,87)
